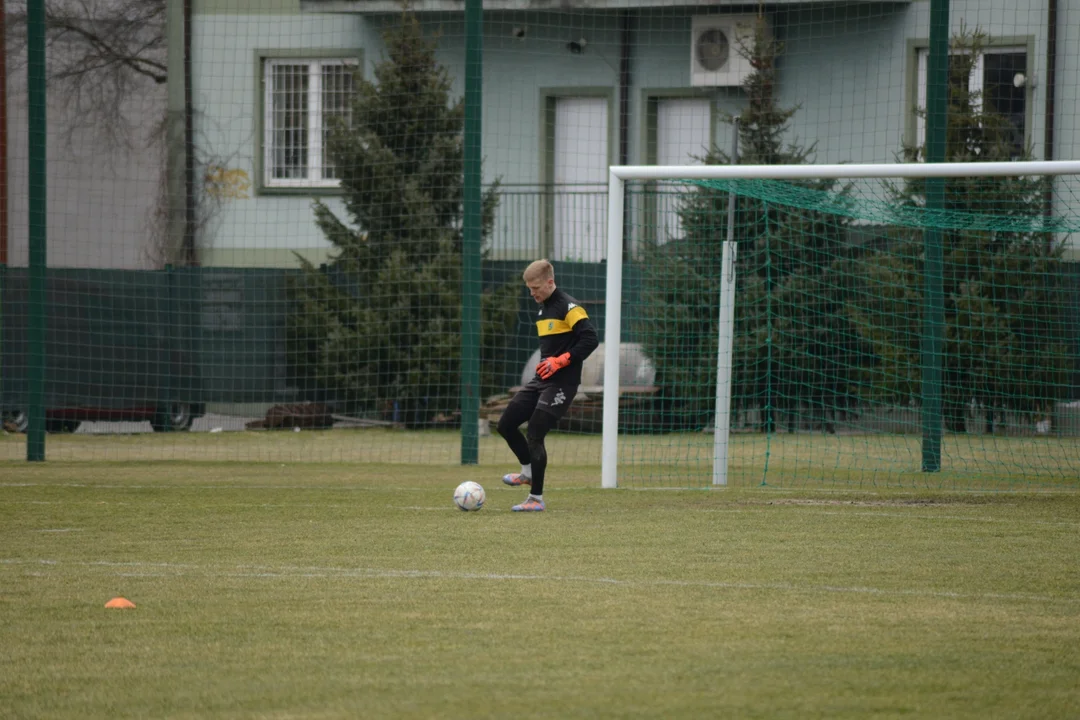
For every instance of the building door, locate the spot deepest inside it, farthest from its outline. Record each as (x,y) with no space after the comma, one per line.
(580,177)
(683,135)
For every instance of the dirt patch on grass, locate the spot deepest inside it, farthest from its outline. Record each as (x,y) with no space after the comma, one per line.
(889,502)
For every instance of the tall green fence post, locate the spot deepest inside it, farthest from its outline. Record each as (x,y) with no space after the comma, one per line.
(472,239)
(170,353)
(35,57)
(933,339)
(176,133)
(3,196)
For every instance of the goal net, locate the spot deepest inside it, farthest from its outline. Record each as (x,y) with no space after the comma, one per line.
(822,324)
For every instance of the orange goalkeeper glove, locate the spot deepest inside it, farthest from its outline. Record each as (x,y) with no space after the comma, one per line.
(550,366)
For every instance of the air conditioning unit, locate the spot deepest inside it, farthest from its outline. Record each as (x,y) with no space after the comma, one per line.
(717,44)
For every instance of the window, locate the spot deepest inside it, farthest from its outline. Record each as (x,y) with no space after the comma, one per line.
(1000,75)
(301,98)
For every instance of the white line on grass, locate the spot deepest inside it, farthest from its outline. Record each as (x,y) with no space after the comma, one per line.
(131,569)
(891,497)
(801,507)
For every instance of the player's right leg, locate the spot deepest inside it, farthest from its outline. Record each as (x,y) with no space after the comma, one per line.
(514,416)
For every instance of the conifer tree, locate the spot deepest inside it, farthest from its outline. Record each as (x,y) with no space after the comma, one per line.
(791,334)
(379,326)
(1005,306)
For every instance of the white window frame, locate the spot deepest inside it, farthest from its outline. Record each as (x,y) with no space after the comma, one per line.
(314,177)
(975,81)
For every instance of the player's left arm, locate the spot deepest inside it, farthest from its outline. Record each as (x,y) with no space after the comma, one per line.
(583,343)
(585,336)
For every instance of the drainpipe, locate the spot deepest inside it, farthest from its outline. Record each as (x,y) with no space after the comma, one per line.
(1051,99)
(626,28)
(627,38)
(3,144)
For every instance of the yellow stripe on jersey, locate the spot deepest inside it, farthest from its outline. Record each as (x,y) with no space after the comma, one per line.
(576,313)
(551,327)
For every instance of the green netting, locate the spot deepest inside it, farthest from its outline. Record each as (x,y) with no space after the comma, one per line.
(827,366)
(249,218)
(879,211)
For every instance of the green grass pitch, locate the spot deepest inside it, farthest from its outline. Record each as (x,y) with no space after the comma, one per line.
(677,460)
(325,590)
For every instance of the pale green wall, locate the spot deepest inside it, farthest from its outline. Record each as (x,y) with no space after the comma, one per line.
(848,68)
(246,7)
(259,229)
(1067,118)
(516,72)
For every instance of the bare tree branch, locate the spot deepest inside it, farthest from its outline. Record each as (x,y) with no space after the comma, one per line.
(110,44)
(104,56)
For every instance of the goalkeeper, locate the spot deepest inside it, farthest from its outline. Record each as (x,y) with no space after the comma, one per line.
(566,339)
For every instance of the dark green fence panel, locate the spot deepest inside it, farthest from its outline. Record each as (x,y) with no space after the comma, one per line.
(129,342)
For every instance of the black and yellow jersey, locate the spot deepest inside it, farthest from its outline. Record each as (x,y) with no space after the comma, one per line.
(564,327)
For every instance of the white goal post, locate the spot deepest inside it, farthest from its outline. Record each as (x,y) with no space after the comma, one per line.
(618,175)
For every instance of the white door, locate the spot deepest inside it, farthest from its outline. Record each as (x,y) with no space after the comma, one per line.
(581,174)
(683,135)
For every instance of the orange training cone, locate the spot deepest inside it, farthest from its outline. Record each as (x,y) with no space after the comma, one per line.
(120,603)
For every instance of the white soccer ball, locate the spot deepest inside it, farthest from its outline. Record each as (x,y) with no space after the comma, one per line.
(469,496)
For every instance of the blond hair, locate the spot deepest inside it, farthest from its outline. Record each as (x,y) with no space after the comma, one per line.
(539,270)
